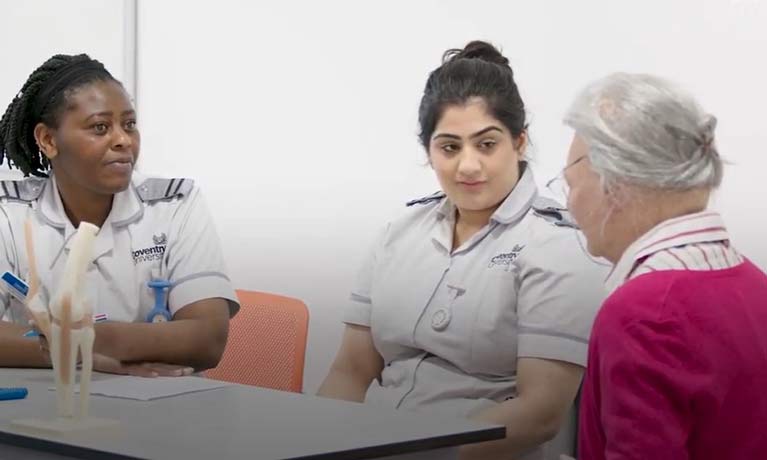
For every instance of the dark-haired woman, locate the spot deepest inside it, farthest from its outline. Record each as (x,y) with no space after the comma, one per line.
(478,301)
(73,126)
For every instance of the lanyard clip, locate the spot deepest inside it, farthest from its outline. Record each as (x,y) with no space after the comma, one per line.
(159,313)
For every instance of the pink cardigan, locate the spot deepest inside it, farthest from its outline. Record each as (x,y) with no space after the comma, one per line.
(677,368)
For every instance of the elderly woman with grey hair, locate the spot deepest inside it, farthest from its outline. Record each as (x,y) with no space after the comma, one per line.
(677,364)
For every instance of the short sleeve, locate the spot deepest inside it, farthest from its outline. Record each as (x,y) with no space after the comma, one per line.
(560,291)
(195,261)
(360,301)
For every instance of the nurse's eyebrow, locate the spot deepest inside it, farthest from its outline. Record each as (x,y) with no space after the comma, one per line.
(449,136)
(108,113)
(486,130)
(477,134)
(99,114)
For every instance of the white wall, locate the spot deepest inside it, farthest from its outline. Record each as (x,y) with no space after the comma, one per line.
(299,117)
(34,30)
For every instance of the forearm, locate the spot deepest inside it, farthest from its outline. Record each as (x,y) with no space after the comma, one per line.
(527,426)
(340,384)
(187,342)
(19,351)
(356,365)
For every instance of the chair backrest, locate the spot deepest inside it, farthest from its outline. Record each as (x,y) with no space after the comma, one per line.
(267,343)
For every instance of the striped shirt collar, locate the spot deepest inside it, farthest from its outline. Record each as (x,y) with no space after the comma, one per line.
(701,227)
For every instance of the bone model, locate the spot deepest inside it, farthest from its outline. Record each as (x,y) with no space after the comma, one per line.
(67,321)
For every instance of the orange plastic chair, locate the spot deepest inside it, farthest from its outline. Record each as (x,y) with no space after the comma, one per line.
(267,343)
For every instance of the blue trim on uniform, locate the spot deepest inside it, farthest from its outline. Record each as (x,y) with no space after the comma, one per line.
(436,196)
(551,211)
(22,190)
(195,276)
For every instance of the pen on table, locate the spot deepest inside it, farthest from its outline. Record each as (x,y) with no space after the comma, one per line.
(7,394)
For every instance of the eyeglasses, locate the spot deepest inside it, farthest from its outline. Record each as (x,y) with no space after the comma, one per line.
(558,185)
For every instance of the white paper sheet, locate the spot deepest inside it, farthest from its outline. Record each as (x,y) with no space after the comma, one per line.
(147,389)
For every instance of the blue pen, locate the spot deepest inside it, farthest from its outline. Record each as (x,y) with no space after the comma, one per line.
(7,394)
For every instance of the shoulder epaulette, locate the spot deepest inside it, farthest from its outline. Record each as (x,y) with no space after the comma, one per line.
(553,212)
(155,188)
(26,190)
(436,196)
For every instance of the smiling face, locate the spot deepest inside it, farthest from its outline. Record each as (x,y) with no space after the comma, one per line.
(475,157)
(96,143)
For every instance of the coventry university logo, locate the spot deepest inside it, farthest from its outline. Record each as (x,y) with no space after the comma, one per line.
(152,253)
(504,260)
(160,240)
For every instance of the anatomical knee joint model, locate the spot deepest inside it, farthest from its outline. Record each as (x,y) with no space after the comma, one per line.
(67,320)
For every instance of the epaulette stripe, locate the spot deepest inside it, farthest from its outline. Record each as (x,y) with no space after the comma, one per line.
(170,185)
(156,189)
(426,199)
(25,190)
(178,187)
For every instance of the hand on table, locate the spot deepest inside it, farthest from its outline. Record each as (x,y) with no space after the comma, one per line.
(103,363)
(109,365)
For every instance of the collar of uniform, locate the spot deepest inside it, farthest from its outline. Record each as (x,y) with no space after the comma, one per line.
(700,227)
(126,207)
(519,200)
(514,206)
(51,207)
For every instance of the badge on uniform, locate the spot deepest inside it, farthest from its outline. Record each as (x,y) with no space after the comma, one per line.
(15,286)
(159,313)
(505,259)
(441,318)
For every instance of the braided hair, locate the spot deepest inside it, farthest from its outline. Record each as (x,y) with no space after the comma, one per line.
(42,99)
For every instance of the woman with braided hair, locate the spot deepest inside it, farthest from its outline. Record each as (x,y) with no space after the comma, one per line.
(73,127)
(677,365)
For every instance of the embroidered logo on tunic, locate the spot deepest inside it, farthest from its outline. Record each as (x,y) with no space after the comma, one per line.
(160,239)
(153,252)
(505,259)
